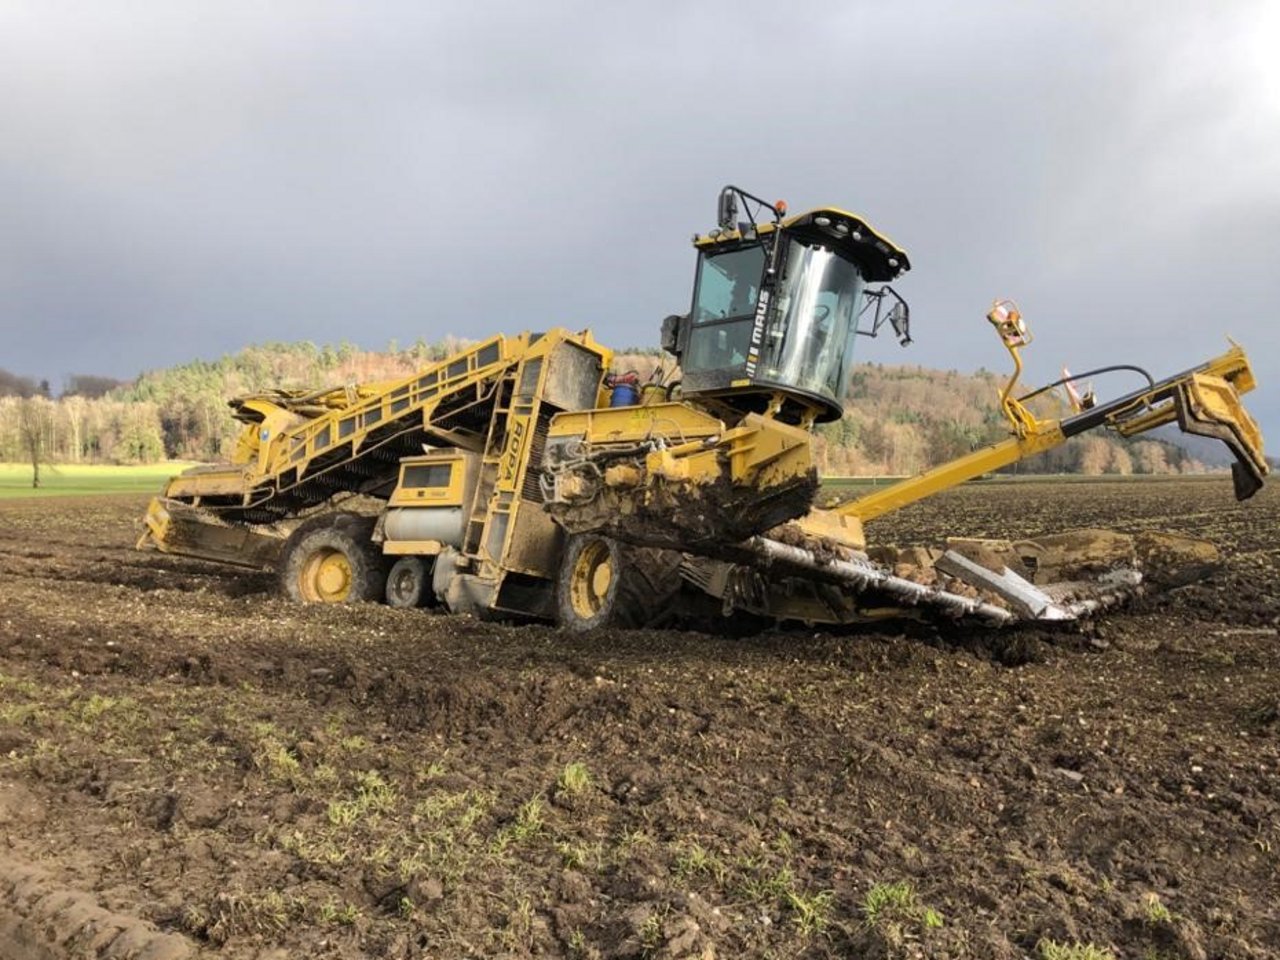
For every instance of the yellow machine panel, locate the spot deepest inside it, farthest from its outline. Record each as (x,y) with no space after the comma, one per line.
(441,479)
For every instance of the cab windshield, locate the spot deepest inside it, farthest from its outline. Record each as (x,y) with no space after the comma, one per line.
(809,344)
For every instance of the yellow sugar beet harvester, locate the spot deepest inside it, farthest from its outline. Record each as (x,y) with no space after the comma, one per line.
(517,478)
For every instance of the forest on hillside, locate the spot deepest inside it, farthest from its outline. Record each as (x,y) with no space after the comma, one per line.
(899,419)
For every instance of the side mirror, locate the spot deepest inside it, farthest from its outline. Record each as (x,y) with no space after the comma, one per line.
(897,314)
(727,209)
(672,327)
(900,320)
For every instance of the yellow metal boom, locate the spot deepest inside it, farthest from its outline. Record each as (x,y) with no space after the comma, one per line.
(1204,400)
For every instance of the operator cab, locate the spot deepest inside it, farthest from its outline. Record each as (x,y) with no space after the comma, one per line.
(777,305)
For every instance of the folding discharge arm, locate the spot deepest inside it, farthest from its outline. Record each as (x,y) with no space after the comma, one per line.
(1204,400)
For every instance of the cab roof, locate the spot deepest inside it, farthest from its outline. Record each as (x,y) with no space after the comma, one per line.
(878,257)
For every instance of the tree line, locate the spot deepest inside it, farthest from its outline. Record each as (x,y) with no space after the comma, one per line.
(899,419)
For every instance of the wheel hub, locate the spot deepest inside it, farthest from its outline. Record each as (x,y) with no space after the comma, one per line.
(326,577)
(601,579)
(590,580)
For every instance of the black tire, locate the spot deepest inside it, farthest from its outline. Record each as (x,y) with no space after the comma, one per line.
(409,583)
(641,589)
(340,542)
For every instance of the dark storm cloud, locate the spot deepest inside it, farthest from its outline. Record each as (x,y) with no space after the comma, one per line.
(177,180)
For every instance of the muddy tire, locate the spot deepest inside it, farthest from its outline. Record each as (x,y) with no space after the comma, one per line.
(604,583)
(409,583)
(333,560)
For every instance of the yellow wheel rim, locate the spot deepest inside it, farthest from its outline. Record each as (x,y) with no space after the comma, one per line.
(590,579)
(325,577)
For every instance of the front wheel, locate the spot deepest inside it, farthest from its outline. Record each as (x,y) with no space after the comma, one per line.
(604,583)
(333,561)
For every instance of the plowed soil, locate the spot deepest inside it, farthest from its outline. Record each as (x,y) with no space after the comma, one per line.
(251,778)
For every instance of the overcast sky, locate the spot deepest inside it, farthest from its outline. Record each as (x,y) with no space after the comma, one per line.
(180,179)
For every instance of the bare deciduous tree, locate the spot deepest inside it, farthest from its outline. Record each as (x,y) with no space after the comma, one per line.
(33,417)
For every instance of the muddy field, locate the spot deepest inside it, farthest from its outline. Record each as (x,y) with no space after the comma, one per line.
(254,779)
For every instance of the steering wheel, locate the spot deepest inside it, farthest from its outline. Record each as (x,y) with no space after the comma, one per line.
(821,312)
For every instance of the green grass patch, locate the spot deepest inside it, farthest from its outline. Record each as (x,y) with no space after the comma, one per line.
(1052,950)
(856,485)
(1156,911)
(373,795)
(84,479)
(695,860)
(889,899)
(810,911)
(895,908)
(573,779)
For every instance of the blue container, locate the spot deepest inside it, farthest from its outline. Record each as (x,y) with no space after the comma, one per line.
(624,395)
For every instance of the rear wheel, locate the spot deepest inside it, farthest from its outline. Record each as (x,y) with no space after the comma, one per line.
(408,583)
(604,583)
(333,561)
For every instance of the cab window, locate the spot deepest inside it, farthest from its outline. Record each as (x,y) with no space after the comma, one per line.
(728,284)
(427,475)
